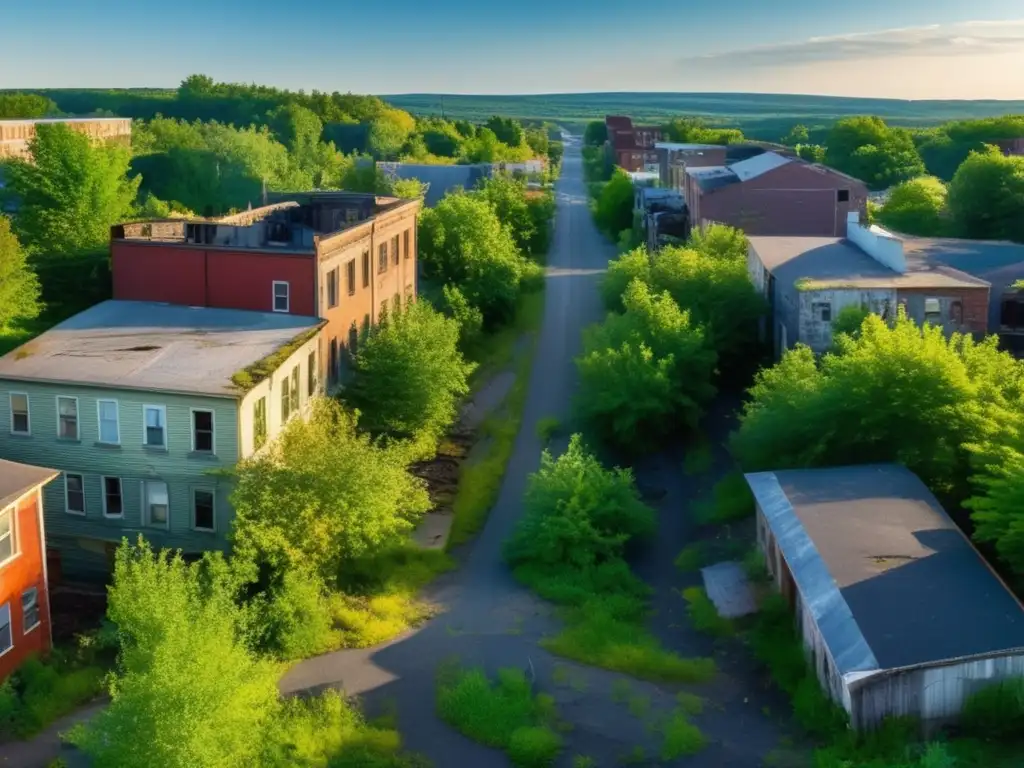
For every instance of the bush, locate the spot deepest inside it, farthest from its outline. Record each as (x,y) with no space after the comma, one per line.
(409,374)
(731,500)
(613,209)
(292,620)
(996,711)
(630,266)
(681,737)
(704,614)
(720,241)
(40,692)
(470,319)
(917,207)
(504,714)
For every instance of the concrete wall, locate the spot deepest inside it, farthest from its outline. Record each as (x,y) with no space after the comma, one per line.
(817,333)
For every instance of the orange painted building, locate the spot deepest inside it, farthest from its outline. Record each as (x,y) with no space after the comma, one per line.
(24,586)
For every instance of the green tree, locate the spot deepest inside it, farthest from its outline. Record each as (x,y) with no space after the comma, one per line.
(388,132)
(870,150)
(595,134)
(917,207)
(181,653)
(409,189)
(538,141)
(19,286)
(645,374)
(613,209)
(507,130)
(812,153)
(410,374)
(997,507)
(508,198)
(720,241)
(797,135)
(321,494)
(696,130)
(986,197)
(629,266)
(72,192)
(25,106)
(463,243)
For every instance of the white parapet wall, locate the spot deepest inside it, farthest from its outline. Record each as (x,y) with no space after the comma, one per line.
(880,244)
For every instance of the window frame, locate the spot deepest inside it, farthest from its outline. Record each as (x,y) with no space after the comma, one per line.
(937,313)
(406,239)
(147,520)
(287,296)
(332,288)
(5,611)
(213,509)
(311,374)
(99,421)
(350,277)
(818,306)
(145,426)
(12,511)
(296,389)
(258,439)
(382,258)
(367,263)
(26,628)
(286,399)
(103,496)
(28,413)
(394,250)
(78,418)
(842,195)
(67,500)
(213,430)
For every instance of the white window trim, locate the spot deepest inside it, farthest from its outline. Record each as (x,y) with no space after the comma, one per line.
(146,522)
(5,609)
(16,549)
(39,611)
(78,417)
(67,507)
(10,408)
(213,429)
(192,522)
(287,296)
(145,428)
(99,421)
(103,496)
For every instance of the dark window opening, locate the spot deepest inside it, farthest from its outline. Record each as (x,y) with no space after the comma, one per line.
(843,195)
(350,277)
(202,431)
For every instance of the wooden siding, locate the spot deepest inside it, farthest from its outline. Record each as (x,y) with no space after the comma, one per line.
(178,466)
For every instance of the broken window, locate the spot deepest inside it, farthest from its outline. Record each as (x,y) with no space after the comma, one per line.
(822,311)
(932,311)
(843,195)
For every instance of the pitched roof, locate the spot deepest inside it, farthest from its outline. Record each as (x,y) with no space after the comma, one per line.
(17,479)
(890,580)
(758,165)
(147,345)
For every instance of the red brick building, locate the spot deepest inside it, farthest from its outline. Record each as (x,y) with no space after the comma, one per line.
(632,147)
(772,194)
(341,256)
(24,587)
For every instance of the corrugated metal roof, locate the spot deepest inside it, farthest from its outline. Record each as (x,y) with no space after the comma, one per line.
(890,580)
(758,165)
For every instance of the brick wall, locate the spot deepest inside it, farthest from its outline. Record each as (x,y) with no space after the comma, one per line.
(970,317)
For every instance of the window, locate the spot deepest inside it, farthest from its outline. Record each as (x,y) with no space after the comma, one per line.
(394,249)
(822,311)
(202,431)
(74,494)
(109,425)
(366,269)
(259,423)
(8,540)
(295,390)
(932,311)
(843,195)
(350,277)
(311,373)
(405,243)
(382,258)
(6,638)
(67,418)
(280,296)
(29,610)
(20,424)
(155,426)
(332,288)
(353,339)
(286,400)
(113,500)
(956,313)
(203,517)
(157,508)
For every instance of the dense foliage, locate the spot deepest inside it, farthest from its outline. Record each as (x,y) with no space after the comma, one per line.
(613,209)
(15,106)
(19,286)
(595,134)
(868,149)
(695,130)
(986,197)
(409,374)
(917,207)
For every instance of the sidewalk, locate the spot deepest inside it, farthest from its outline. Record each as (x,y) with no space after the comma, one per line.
(45,747)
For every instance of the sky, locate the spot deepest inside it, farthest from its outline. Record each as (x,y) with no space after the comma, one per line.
(913,49)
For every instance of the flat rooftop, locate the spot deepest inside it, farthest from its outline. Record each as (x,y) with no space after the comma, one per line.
(20,120)
(884,568)
(17,479)
(835,262)
(151,346)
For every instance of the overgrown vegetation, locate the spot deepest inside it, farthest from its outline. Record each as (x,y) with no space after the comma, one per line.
(249,377)
(505,714)
(568,547)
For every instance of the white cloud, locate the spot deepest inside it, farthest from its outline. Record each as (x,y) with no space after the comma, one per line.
(969,38)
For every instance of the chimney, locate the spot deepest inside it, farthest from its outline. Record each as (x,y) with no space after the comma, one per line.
(881,245)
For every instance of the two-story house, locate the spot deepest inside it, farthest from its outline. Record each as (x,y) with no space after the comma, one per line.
(24,586)
(140,405)
(341,256)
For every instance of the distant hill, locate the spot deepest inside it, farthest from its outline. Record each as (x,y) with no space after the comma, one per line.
(760,115)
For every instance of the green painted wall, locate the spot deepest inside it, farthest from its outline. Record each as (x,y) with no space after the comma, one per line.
(80,537)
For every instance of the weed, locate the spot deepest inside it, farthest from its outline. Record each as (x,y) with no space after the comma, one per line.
(692,558)
(704,614)
(583,761)
(504,714)
(639,706)
(548,428)
(681,737)
(689,703)
(730,500)
(753,565)
(40,692)
(996,711)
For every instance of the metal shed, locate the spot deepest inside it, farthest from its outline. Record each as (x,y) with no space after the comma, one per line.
(899,613)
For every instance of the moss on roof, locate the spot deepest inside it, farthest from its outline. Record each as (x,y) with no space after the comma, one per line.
(251,375)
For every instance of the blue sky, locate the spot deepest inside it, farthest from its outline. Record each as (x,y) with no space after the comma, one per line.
(897,48)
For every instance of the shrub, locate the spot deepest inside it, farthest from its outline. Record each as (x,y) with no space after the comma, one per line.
(731,500)
(292,620)
(613,209)
(917,207)
(547,428)
(996,711)
(681,737)
(704,614)
(630,266)
(720,241)
(534,746)
(470,319)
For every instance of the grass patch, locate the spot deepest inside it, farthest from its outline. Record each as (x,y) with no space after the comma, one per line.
(699,458)
(705,616)
(689,703)
(730,500)
(548,428)
(504,714)
(381,597)
(583,761)
(693,557)
(250,376)
(680,737)
(480,479)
